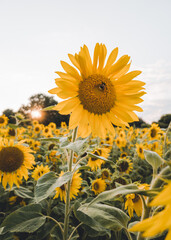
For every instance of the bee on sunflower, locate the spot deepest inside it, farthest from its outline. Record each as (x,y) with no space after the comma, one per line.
(98,93)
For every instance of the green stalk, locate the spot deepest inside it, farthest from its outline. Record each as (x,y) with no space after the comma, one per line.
(157,182)
(67,204)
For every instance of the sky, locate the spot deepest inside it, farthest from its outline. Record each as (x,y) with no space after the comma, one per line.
(37,34)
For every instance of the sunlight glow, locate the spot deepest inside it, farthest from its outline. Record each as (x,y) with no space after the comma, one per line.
(36,114)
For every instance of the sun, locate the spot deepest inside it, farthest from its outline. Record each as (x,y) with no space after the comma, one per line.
(36,114)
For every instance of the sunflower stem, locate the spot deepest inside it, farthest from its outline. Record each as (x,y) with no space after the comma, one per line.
(67,204)
(128,234)
(156,182)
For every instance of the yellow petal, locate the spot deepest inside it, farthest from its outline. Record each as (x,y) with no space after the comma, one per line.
(127,77)
(70,70)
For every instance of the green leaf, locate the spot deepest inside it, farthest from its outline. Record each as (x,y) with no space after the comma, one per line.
(107,216)
(78,146)
(14,126)
(26,219)
(153,159)
(23,192)
(124,190)
(111,194)
(47,184)
(50,108)
(98,157)
(87,220)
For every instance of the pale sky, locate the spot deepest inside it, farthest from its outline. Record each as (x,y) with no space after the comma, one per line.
(37,34)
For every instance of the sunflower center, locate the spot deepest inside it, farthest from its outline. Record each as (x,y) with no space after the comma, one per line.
(136,198)
(11,132)
(11,158)
(2,120)
(97,153)
(96,186)
(123,166)
(153,132)
(97,94)
(140,150)
(105,174)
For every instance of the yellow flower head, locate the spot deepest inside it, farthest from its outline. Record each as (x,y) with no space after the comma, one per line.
(98,186)
(159,222)
(98,93)
(124,165)
(140,150)
(74,190)
(153,131)
(3,121)
(52,125)
(15,159)
(94,162)
(40,171)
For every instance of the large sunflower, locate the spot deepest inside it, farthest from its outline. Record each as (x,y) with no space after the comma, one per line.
(15,159)
(99,94)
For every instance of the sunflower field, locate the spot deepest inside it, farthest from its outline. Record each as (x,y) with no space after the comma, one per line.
(97,178)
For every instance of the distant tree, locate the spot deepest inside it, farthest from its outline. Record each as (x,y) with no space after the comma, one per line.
(139,124)
(164,121)
(40,101)
(10,114)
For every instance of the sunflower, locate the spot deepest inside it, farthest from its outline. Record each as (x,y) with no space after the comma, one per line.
(63,125)
(15,159)
(11,133)
(98,186)
(52,125)
(140,150)
(74,190)
(37,128)
(120,142)
(105,175)
(35,122)
(124,165)
(95,162)
(40,171)
(153,131)
(134,202)
(98,94)
(36,145)
(3,121)
(121,180)
(47,131)
(123,155)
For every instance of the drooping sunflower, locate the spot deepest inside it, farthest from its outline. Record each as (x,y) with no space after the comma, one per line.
(95,162)
(40,171)
(134,203)
(74,190)
(15,160)
(3,120)
(98,186)
(98,94)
